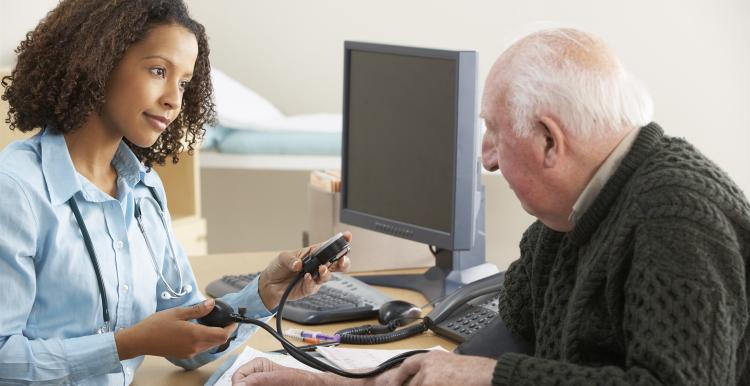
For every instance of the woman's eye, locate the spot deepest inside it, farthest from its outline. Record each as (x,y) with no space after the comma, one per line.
(184,84)
(158,71)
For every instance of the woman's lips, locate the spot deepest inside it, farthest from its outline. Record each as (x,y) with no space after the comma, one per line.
(158,122)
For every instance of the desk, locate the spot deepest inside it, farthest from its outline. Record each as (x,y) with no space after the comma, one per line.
(159,371)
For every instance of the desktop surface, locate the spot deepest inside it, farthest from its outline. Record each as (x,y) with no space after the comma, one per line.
(158,371)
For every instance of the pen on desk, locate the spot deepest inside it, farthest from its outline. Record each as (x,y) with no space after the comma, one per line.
(309,347)
(314,337)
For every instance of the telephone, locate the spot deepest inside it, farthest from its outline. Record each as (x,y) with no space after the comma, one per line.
(457,317)
(470,316)
(468,309)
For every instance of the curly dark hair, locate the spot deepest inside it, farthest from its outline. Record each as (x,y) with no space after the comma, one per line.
(65,63)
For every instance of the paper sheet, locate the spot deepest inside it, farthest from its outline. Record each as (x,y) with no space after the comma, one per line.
(345,358)
(357,358)
(249,354)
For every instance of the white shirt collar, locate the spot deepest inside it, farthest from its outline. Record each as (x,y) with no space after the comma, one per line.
(608,168)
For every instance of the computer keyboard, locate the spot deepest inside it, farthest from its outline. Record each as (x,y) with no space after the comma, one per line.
(341,298)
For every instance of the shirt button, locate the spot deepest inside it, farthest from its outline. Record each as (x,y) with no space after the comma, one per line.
(119,244)
(125,288)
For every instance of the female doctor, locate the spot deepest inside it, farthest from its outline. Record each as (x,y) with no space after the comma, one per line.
(90,277)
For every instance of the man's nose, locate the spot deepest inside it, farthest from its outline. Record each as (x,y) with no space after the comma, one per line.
(489,152)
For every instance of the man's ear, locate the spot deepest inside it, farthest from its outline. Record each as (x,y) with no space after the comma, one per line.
(554,141)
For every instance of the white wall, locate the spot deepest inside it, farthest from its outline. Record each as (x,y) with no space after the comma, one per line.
(17,18)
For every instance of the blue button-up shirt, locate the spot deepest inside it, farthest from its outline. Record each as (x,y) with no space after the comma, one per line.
(50,306)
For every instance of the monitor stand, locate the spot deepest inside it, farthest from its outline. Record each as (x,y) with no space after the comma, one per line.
(452,269)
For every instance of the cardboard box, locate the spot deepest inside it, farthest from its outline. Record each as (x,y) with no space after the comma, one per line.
(371,251)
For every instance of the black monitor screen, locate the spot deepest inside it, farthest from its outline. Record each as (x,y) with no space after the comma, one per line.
(401,138)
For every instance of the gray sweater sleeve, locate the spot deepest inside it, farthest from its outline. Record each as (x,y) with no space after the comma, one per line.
(684,313)
(515,307)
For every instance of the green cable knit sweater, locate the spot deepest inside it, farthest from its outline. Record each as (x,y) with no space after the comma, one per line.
(649,288)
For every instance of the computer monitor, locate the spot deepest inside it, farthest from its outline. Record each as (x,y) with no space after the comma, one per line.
(410,165)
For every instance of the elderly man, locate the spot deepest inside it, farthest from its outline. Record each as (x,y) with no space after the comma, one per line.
(634,273)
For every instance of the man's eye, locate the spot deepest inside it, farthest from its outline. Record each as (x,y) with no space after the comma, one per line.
(158,71)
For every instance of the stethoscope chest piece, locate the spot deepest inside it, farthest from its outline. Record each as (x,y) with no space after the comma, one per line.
(166,295)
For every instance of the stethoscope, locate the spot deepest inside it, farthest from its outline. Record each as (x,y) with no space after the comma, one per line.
(170,292)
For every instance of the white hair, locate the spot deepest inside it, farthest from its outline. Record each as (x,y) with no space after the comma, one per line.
(573,76)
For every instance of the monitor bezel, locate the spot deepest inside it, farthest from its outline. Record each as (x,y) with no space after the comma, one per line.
(465,174)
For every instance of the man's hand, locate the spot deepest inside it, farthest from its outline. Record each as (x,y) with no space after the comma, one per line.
(170,333)
(433,368)
(261,371)
(440,368)
(277,276)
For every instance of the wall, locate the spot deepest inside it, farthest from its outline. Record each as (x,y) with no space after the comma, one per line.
(18,17)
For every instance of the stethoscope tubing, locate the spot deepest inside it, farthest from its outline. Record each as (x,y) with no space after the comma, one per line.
(313,362)
(94,260)
(169,293)
(172,256)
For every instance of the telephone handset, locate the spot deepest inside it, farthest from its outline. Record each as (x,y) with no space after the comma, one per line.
(457,317)
(468,309)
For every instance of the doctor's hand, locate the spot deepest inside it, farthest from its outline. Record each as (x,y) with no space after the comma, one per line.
(171,333)
(277,276)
